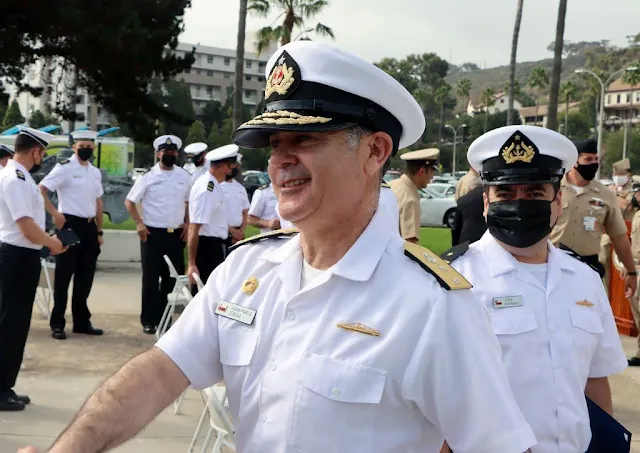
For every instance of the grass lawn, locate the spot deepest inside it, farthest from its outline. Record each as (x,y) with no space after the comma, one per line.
(435,239)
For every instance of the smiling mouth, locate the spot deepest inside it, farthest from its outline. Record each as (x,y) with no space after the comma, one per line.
(295,182)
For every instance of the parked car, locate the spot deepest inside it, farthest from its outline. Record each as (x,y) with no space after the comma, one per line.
(253,179)
(442,188)
(436,209)
(391,175)
(444,179)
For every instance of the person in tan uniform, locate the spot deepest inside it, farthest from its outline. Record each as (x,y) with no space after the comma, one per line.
(589,209)
(420,167)
(635,248)
(467,183)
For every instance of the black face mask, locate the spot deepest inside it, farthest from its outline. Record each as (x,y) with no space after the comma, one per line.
(588,171)
(85,153)
(233,174)
(199,162)
(168,160)
(519,223)
(36,167)
(635,203)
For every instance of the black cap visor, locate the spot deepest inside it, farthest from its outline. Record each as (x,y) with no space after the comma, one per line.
(514,176)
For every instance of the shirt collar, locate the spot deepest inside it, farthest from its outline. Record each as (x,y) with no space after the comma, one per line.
(592,185)
(360,260)
(18,166)
(408,181)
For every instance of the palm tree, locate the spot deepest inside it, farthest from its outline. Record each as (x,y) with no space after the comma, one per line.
(568,92)
(441,95)
(238,106)
(487,99)
(463,90)
(538,80)
(631,78)
(293,13)
(517,89)
(512,63)
(554,90)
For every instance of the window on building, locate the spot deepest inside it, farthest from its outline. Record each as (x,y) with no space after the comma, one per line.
(227,61)
(209,91)
(247,64)
(501,101)
(618,99)
(209,58)
(198,72)
(260,79)
(608,99)
(637,97)
(261,65)
(247,93)
(210,73)
(247,78)
(187,71)
(227,75)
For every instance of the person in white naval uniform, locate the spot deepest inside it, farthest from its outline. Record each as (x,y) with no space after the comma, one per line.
(163,226)
(549,310)
(22,236)
(209,227)
(196,164)
(236,203)
(262,212)
(343,338)
(6,153)
(79,187)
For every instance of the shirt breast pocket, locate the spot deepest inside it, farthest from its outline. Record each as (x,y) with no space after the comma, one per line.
(587,328)
(336,398)
(237,348)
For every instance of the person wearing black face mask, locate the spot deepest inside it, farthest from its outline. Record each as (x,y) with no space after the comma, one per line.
(545,305)
(237,203)
(163,192)
(79,187)
(22,237)
(195,164)
(590,210)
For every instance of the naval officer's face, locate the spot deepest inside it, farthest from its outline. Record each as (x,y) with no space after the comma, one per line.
(325,175)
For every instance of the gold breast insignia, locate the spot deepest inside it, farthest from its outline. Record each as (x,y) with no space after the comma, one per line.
(359,327)
(584,303)
(250,285)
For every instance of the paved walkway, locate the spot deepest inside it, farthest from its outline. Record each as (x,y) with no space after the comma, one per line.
(60,375)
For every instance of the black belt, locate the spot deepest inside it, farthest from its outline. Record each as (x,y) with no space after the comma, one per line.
(214,239)
(18,248)
(163,230)
(77,218)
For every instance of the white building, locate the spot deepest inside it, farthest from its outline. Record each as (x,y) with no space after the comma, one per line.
(500,104)
(621,105)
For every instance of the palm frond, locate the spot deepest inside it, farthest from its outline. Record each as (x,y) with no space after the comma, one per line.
(323,30)
(311,8)
(259,8)
(264,38)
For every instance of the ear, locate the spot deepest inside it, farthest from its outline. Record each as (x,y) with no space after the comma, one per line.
(485,200)
(378,147)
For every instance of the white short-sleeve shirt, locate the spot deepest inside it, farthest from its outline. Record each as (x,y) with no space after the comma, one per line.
(553,337)
(78,187)
(207,207)
(236,201)
(263,205)
(199,171)
(297,382)
(19,197)
(163,194)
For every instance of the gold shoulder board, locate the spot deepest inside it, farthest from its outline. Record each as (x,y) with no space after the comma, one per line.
(446,275)
(261,237)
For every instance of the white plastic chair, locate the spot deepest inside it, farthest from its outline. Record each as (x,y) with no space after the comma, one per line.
(220,423)
(181,295)
(44,292)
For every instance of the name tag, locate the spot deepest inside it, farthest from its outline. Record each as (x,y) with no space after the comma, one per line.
(236,312)
(589,223)
(507,302)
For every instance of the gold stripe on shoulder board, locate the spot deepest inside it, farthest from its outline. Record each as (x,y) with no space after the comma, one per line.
(446,275)
(269,234)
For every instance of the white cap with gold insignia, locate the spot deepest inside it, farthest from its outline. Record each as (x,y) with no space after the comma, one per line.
(522,155)
(43,138)
(168,142)
(313,86)
(226,152)
(85,135)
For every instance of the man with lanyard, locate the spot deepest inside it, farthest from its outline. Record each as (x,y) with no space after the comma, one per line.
(548,309)
(6,153)
(421,166)
(343,338)
(22,235)
(163,226)
(590,209)
(195,160)
(236,204)
(262,212)
(209,228)
(79,187)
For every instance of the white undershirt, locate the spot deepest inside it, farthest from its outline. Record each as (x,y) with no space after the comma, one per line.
(309,274)
(539,271)
(578,189)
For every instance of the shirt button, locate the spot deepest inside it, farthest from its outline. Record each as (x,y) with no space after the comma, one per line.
(291,315)
(335,391)
(273,366)
(263,419)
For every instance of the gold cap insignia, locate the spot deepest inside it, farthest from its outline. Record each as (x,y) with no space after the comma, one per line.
(359,327)
(519,149)
(584,303)
(168,142)
(282,78)
(250,285)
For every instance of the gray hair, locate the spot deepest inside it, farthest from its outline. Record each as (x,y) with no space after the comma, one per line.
(355,134)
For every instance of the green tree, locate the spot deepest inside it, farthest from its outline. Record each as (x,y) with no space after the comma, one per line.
(487,99)
(512,62)
(613,143)
(568,93)
(463,90)
(538,81)
(178,100)
(484,122)
(196,133)
(517,89)
(294,14)
(212,113)
(577,125)
(221,135)
(556,71)
(37,120)
(440,97)
(12,116)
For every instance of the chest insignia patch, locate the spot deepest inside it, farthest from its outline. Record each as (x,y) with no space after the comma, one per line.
(359,327)
(585,303)
(250,285)
(20,175)
(597,202)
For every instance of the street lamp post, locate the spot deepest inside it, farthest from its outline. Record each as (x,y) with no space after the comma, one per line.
(455,141)
(603,88)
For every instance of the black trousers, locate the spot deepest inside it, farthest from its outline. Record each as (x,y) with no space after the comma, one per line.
(156,282)
(211,252)
(78,262)
(19,276)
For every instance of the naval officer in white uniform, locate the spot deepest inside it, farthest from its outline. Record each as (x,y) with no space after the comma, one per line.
(196,164)
(549,310)
(236,203)
(262,212)
(22,235)
(6,153)
(339,339)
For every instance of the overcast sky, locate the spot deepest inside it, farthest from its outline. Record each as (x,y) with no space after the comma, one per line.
(467,30)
